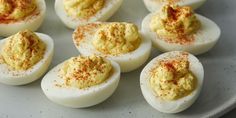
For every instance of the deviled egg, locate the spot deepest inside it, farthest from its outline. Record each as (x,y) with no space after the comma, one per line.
(155,5)
(81,81)
(179,28)
(24,57)
(79,12)
(17,15)
(172,81)
(120,42)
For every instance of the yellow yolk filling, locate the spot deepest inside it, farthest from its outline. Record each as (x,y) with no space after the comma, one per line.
(175,22)
(172,80)
(169,1)
(117,38)
(82,8)
(23,50)
(82,72)
(16,9)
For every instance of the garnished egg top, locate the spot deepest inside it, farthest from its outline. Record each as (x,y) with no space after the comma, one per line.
(82,72)
(23,50)
(82,8)
(74,13)
(175,23)
(178,28)
(117,38)
(18,15)
(172,79)
(14,10)
(81,81)
(118,41)
(25,57)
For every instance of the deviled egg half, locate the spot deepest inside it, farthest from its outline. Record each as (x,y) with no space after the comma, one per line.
(118,41)
(24,57)
(156,5)
(79,12)
(81,81)
(179,28)
(172,81)
(17,15)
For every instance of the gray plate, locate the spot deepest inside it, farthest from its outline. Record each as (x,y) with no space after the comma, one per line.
(217,97)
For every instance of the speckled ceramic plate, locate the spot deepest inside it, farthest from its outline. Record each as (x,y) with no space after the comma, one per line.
(217,96)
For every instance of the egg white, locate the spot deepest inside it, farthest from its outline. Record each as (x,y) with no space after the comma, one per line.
(21,77)
(177,105)
(109,8)
(205,38)
(30,22)
(75,97)
(155,5)
(128,62)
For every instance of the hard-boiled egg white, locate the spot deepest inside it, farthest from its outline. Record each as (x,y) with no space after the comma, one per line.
(21,77)
(180,104)
(109,8)
(83,37)
(204,39)
(31,22)
(76,97)
(155,5)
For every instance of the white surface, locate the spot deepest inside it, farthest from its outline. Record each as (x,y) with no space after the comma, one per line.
(217,96)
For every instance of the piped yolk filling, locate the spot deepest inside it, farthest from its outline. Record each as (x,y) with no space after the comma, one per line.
(117,38)
(82,9)
(172,80)
(15,10)
(83,72)
(175,23)
(23,50)
(170,1)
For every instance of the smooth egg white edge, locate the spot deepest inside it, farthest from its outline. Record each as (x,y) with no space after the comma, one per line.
(205,38)
(171,106)
(24,77)
(31,23)
(79,98)
(154,6)
(128,62)
(110,7)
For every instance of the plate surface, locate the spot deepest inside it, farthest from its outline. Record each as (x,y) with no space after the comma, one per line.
(217,96)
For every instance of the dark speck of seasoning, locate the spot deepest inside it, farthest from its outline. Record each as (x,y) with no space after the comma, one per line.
(130,112)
